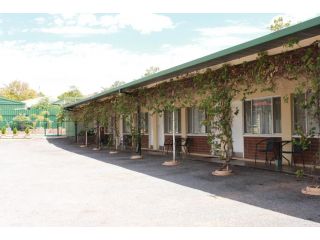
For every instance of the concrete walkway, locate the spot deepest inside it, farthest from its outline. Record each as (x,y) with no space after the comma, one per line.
(54,183)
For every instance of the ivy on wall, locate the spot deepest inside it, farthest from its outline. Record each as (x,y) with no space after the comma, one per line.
(214,90)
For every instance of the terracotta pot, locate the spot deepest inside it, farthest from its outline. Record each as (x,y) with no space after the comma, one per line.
(311,190)
(222,172)
(136,157)
(170,163)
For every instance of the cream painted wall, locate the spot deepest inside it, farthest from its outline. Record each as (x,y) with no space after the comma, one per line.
(237,129)
(150,132)
(184,122)
(154,119)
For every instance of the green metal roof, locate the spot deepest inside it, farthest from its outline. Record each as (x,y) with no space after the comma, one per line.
(5,101)
(299,31)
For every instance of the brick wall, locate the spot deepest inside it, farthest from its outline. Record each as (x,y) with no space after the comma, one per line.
(199,144)
(309,155)
(91,139)
(145,141)
(250,147)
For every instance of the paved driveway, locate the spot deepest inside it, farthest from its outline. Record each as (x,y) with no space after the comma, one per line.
(54,183)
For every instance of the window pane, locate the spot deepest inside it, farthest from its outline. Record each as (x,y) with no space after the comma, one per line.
(190,118)
(247,117)
(168,121)
(262,116)
(277,115)
(199,117)
(126,124)
(299,113)
(144,122)
(195,119)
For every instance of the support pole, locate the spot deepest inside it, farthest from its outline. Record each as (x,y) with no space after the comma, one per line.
(99,136)
(76,131)
(172,162)
(115,132)
(86,139)
(139,130)
(173,138)
(138,147)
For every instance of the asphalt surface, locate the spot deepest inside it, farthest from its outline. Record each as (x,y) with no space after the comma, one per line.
(56,183)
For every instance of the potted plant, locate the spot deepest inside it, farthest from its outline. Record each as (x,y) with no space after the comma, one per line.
(15,132)
(299,174)
(27,131)
(3,131)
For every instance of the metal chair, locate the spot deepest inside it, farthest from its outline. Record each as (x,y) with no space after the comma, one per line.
(185,144)
(168,143)
(270,146)
(296,149)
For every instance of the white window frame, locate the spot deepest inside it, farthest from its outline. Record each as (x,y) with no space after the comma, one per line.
(306,115)
(123,124)
(178,119)
(272,117)
(192,133)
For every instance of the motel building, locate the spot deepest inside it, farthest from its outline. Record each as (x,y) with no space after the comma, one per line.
(263,116)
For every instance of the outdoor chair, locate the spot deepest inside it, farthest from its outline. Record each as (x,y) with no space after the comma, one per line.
(125,142)
(167,145)
(185,144)
(296,150)
(268,145)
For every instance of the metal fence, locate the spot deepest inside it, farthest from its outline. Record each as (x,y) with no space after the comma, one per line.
(43,128)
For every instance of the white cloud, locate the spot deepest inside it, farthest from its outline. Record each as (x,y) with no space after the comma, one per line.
(40,20)
(74,30)
(231,30)
(55,66)
(143,23)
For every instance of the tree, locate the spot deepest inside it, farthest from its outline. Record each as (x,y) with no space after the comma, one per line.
(279,24)
(18,91)
(151,70)
(21,122)
(43,104)
(73,94)
(115,84)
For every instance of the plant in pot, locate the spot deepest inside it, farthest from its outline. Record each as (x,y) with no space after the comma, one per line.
(3,131)
(27,131)
(15,131)
(299,174)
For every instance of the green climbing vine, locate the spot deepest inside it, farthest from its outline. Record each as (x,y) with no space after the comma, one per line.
(214,90)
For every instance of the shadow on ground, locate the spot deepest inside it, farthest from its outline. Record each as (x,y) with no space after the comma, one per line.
(275,191)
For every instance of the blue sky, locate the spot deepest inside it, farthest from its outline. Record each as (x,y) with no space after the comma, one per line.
(55,51)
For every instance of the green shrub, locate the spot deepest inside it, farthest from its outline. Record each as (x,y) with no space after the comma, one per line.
(299,174)
(15,131)
(27,130)
(3,130)
(21,122)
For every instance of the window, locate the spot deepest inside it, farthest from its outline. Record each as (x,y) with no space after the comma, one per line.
(195,119)
(302,117)
(126,123)
(168,121)
(144,117)
(262,116)
(110,124)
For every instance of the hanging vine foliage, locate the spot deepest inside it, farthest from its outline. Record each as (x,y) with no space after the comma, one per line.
(214,90)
